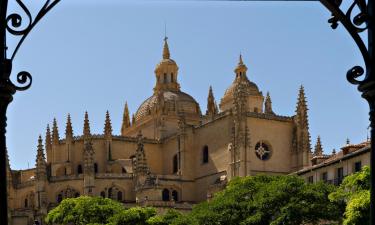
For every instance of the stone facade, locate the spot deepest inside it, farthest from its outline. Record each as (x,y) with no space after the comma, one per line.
(169,154)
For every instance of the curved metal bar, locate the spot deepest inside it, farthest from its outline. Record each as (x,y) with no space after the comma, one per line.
(23,77)
(17,21)
(354,31)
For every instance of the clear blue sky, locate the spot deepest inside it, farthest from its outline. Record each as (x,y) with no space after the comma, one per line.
(95,55)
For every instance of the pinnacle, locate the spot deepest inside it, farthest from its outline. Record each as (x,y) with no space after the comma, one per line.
(69,128)
(125,119)
(55,132)
(86,126)
(107,125)
(318,147)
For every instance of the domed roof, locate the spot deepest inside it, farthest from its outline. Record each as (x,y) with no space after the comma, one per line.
(250,87)
(168,101)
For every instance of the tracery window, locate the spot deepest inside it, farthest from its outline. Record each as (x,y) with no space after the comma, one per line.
(95,167)
(29,199)
(67,193)
(113,193)
(262,151)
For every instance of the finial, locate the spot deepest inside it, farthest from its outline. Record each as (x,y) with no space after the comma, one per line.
(268,104)
(107,125)
(347,141)
(211,103)
(334,152)
(318,147)
(133,119)
(166,54)
(240,61)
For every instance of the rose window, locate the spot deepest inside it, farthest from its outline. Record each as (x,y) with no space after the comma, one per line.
(262,151)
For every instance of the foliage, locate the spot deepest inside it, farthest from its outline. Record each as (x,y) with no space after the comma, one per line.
(134,216)
(264,200)
(83,211)
(355,193)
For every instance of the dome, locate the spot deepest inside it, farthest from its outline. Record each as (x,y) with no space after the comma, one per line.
(171,102)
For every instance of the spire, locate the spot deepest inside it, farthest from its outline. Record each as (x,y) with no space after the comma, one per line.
(318,148)
(166,54)
(268,105)
(211,104)
(347,141)
(240,62)
(125,119)
(86,126)
(69,128)
(107,126)
(133,120)
(41,167)
(55,133)
(334,152)
(141,162)
(48,140)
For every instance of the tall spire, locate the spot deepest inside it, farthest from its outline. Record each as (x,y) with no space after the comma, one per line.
(211,103)
(125,119)
(86,126)
(107,126)
(318,147)
(166,54)
(69,128)
(268,104)
(48,141)
(55,133)
(133,120)
(41,167)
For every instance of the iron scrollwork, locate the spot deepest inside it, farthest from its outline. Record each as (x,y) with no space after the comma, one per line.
(354,24)
(16,25)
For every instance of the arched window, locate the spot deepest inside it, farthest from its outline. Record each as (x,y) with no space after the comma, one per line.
(96,167)
(119,196)
(175,195)
(123,170)
(205,154)
(79,169)
(165,78)
(102,194)
(65,173)
(26,203)
(165,195)
(76,195)
(110,192)
(172,79)
(175,163)
(59,198)
(256,110)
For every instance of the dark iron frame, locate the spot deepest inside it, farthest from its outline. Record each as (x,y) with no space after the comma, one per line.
(14,24)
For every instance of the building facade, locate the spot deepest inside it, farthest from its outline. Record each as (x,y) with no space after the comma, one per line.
(169,153)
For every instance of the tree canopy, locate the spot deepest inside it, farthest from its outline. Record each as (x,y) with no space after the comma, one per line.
(354,192)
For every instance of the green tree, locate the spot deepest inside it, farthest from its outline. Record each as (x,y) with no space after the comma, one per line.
(268,200)
(354,192)
(133,216)
(84,210)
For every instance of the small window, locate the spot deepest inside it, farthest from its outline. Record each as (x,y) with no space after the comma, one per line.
(311,179)
(76,195)
(102,194)
(123,170)
(79,169)
(205,154)
(165,195)
(26,203)
(339,176)
(357,166)
(119,196)
(175,195)
(65,172)
(96,167)
(325,176)
(172,79)
(175,163)
(59,198)
(256,110)
(165,78)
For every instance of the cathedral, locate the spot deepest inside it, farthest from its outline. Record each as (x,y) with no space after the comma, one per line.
(169,154)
